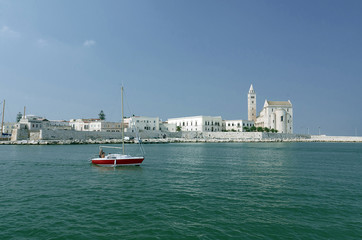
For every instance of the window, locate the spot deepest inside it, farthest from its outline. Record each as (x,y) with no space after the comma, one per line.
(252,97)
(281,118)
(252,101)
(195,123)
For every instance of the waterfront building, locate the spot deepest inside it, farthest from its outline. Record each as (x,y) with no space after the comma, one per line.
(167,127)
(142,123)
(198,123)
(8,127)
(237,125)
(251,104)
(35,123)
(276,115)
(95,125)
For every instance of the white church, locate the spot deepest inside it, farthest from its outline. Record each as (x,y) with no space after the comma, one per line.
(275,114)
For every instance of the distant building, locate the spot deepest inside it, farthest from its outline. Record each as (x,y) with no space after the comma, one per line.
(167,127)
(251,104)
(95,125)
(277,115)
(8,127)
(35,123)
(141,123)
(237,125)
(198,123)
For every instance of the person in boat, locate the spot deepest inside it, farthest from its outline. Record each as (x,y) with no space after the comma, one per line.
(101,153)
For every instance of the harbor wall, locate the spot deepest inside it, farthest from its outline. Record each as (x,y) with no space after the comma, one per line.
(159,136)
(60,134)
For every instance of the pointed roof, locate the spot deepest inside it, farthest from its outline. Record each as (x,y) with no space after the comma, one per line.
(251,90)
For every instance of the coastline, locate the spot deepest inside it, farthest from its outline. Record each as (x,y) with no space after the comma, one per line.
(340,139)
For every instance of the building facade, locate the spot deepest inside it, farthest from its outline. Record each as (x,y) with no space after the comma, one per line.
(141,123)
(95,125)
(277,115)
(237,125)
(198,123)
(8,127)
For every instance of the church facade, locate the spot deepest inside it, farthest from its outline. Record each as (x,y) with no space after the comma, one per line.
(275,114)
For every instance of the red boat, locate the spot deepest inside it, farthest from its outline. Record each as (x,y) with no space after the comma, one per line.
(116,160)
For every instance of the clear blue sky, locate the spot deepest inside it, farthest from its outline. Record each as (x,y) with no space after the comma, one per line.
(67,59)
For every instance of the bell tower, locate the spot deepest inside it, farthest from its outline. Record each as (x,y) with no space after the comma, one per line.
(251,104)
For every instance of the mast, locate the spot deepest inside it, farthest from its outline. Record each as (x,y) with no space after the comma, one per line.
(2,122)
(122,123)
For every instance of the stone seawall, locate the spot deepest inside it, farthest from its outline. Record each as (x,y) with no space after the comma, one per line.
(51,136)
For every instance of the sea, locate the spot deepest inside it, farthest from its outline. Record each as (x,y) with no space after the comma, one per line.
(183,191)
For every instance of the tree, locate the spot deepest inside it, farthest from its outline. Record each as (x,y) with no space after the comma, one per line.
(246,129)
(178,128)
(102,116)
(260,129)
(253,129)
(266,129)
(19,116)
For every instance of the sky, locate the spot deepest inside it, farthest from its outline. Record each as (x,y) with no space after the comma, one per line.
(66,59)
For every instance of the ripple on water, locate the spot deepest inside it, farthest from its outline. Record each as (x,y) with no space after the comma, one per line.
(184,191)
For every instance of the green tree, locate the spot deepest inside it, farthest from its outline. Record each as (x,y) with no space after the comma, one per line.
(266,129)
(246,129)
(260,129)
(178,128)
(19,116)
(253,129)
(102,116)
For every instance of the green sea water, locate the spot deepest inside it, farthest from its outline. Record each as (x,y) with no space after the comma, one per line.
(184,191)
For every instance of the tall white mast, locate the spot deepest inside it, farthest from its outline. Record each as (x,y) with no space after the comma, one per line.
(122,122)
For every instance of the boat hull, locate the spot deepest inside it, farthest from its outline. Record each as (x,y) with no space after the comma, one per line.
(131,161)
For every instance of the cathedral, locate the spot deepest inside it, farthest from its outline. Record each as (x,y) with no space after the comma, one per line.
(275,114)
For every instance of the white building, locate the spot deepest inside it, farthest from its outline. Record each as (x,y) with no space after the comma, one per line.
(237,125)
(251,104)
(8,127)
(167,127)
(31,122)
(35,123)
(95,125)
(198,123)
(277,115)
(141,123)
